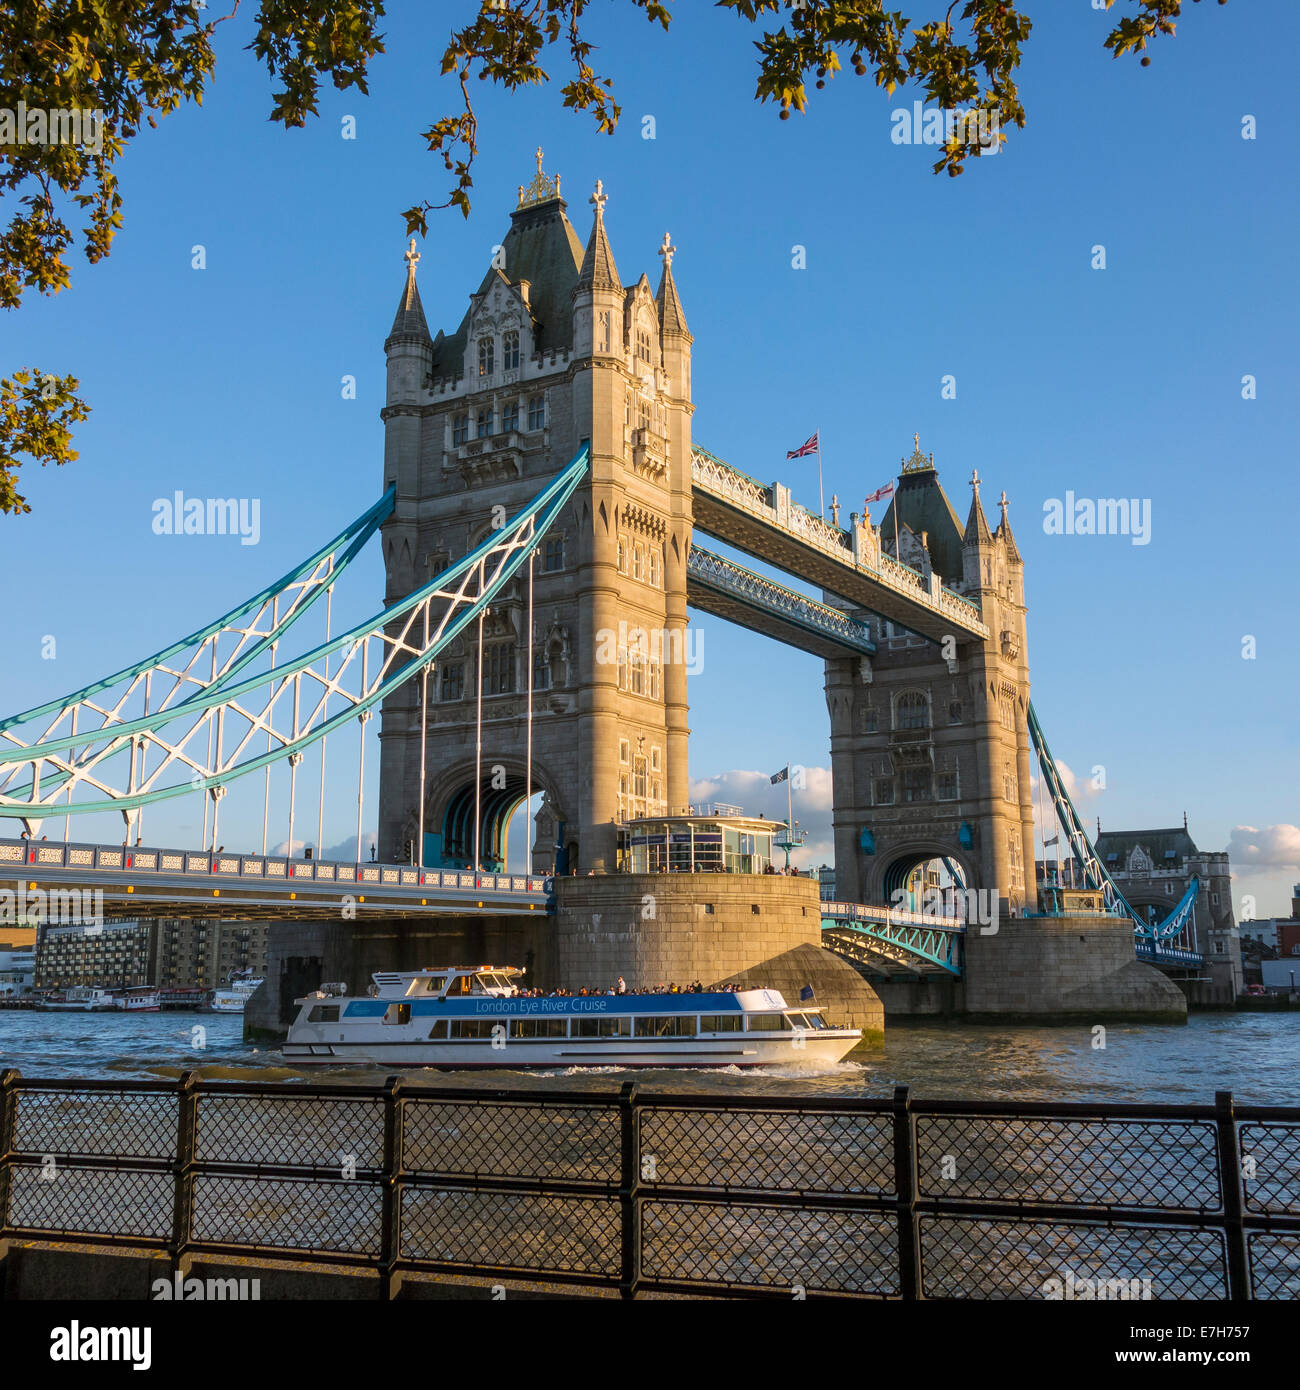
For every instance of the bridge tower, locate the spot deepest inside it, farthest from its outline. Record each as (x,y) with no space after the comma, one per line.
(554,350)
(930,751)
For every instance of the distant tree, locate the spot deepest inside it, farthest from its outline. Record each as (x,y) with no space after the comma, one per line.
(137,60)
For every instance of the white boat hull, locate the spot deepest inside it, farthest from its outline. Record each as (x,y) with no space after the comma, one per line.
(826,1046)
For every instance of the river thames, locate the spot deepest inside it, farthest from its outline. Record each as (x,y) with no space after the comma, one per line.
(1253,1055)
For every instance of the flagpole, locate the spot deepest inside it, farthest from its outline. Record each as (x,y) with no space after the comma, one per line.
(821,496)
(789,806)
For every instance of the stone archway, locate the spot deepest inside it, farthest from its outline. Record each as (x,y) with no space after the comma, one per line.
(450,814)
(896,865)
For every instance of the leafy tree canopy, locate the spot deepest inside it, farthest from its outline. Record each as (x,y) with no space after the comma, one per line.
(134,61)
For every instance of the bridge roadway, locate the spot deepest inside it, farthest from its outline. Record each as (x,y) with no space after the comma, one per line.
(761,520)
(149,882)
(64,883)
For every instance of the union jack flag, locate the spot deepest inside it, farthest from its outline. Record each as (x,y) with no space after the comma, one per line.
(812,447)
(881,492)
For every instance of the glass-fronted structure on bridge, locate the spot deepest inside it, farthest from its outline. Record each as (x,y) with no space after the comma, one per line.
(709,842)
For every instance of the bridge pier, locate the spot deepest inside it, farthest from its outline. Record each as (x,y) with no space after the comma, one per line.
(1067,969)
(760,930)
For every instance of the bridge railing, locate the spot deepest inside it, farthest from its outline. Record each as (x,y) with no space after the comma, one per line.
(138,859)
(890,916)
(660,1193)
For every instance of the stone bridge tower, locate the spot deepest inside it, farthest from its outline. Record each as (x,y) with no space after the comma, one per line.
(930,750)
(554,350)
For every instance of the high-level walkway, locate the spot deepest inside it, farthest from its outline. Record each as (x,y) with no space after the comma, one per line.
(762,520)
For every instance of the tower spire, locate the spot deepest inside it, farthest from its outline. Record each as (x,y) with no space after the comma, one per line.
(409,321)
(671,318)
(598,269)
(977,527)
(1004,530)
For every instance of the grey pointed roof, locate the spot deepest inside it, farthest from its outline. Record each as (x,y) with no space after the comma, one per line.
(598,269)
(1004,532)
(672,319)
(542,248)
(409,321)
(1165,848)
(977,526)
(920,504)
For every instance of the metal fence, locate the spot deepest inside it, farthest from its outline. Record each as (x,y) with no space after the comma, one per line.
(668,1194)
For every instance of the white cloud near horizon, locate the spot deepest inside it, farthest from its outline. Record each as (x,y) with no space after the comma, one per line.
(1254,849)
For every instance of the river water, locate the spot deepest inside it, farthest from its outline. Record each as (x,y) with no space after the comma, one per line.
(1256,1056)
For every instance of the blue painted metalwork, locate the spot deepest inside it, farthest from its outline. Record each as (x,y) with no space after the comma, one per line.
(405,638)
(343,548)
(904,938)
(1095,874)
(765,596)
(1167,955)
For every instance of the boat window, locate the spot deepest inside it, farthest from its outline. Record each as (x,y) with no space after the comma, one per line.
(671,1026)
(397,1013)
(765,1023)
(324,1013)
(462,984)
(602,1027)
(720,1023)
(474,1027)
(439,1030)
(539,1028)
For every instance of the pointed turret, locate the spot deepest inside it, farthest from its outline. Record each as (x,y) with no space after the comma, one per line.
(1004,533)
(409,321)
(672,320)
(598,269)
(977,528)
(920,505)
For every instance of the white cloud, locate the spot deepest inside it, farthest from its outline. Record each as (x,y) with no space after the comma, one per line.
(344,852)
(810,793)
(1272,847)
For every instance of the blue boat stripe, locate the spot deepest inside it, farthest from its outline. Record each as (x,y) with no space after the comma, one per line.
(566,1006)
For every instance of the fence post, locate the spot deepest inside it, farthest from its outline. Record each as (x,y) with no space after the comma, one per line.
(629,1190)
(8,1115)
(183,1201)
(909,1244)
(1225,1125)
(390,1229)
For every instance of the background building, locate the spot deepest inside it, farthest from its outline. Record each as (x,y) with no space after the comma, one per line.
(194,952)
(17,970)
(1154,868)
(114,955)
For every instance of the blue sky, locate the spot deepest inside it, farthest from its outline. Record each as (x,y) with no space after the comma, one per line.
(1123,382)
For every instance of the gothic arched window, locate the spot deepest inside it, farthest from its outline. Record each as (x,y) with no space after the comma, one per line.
(486,356)
(912,710)
(510,350)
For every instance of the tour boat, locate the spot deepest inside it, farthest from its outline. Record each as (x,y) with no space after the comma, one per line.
(474,1016)
(80,999)
(232,999)
(138,999)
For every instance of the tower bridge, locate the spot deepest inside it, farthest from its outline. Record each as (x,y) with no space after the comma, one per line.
(542,502)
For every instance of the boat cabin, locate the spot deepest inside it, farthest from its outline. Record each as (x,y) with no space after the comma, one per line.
(451,982)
